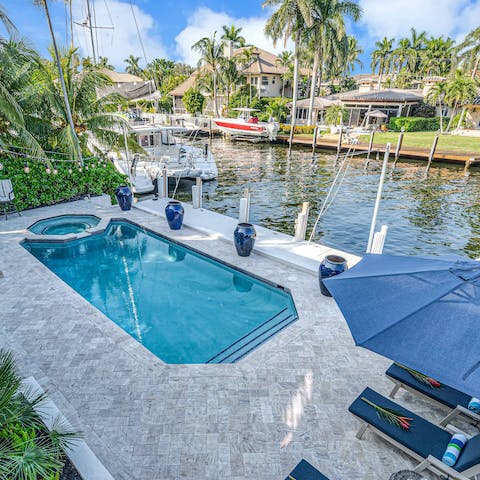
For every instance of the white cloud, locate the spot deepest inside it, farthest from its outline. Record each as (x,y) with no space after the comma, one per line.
(204,21)
(123,40)
(394,18)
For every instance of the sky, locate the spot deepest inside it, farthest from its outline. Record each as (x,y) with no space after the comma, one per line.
(168,28)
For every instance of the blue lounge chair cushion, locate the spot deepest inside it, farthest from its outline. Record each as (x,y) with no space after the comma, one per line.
(423,438)
(445,395)
(305,471)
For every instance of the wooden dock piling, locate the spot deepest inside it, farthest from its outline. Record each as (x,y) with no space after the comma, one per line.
(432,153)
(370,145)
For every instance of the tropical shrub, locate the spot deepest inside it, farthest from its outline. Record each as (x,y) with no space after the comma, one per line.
(335,113)
(38,188)
(28,450)
(193,101)
(415,124)
(424,110)
(299,129)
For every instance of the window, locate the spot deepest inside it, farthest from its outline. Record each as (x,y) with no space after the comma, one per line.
(264,80)
(273,80)
(144,140)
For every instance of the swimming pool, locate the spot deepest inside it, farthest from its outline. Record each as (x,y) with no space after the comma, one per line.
(64,224)
(182,305)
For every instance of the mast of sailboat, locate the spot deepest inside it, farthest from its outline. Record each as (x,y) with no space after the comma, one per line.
(90,28)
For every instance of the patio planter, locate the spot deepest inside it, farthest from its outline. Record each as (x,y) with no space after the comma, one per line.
(244,239)
(174,212)
(124,197)
(331,265)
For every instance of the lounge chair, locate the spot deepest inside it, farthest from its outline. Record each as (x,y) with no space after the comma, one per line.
(424,441)
(305,471)
(445,395)
(6,198)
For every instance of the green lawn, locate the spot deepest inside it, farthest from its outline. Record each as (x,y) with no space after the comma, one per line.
(453,143)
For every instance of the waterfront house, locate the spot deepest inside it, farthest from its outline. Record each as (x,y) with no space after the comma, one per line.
(473,113)
(263,72)
(129,86)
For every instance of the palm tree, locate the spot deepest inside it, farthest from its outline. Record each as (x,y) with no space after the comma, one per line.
(230,77)
(417,45)
(133,67)
(401,54)
(328,27)
(17,61)
(244,59)
(435,96)
(352,54)
(437,56)
(96,122)
(382,57)
(285,61)
(211,55)
(459,90)
(469,52)
(27,449)
(289,21)
(103,63)
(77,152)
(232,34)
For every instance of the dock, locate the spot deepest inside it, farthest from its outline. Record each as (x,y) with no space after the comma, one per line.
(466,159)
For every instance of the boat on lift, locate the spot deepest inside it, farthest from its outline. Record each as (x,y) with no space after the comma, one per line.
(247,126)
(162,150)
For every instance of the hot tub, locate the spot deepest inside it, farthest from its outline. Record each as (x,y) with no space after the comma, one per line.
(64,224)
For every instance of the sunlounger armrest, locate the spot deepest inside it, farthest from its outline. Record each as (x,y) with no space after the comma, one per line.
(459,410)
(439,465)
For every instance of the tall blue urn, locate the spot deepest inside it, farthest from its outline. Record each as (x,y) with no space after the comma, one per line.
(174,212)
(331,265)
(244,239)
(124,197)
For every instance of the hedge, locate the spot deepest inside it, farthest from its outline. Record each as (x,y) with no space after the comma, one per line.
(38,188)
(415,124)
(305,129)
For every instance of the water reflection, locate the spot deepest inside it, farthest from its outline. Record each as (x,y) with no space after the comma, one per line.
(430,216)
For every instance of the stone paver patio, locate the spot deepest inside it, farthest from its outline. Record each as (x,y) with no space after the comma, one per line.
(147,420)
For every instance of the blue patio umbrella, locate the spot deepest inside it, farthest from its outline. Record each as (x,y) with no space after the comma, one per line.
(421,312)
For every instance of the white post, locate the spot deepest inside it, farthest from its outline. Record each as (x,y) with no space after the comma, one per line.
(200,191)
(301,223)
(163,184)
(195,197)
(379,197)
(242,211)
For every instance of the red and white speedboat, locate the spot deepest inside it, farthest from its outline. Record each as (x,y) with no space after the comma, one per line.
(247,126)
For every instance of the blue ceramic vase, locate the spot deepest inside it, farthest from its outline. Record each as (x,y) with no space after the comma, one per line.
(174,212)
(331,265)
(244,239)
(124,197)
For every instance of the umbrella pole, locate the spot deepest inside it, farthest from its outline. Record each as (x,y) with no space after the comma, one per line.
(379,197)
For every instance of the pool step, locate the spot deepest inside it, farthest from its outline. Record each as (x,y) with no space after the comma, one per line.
(253,339)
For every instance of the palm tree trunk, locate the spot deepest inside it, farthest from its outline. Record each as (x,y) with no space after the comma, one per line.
(71,23)
(462,116)
(453,115)
(380,73)
(312,89)
(475,68)
(215,109)
(295,90)
(62,83)
(441,117)
(283,87)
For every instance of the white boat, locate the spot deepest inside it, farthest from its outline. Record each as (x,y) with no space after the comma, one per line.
(247,126)
(163,151)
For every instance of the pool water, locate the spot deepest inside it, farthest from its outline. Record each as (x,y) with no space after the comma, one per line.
(183,306)
(64,224)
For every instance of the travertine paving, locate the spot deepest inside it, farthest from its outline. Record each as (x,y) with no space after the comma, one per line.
(146,420)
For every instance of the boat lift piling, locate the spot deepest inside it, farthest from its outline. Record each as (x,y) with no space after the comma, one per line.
(432,154)
(397,149)
(339,144)
(244,210)
(370,145)
(163,184)
(301,223)
(314,140)
(379,197)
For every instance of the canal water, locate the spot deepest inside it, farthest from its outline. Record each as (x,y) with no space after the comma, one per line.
(432,216)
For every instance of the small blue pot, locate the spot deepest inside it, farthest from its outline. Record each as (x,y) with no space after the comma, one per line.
(174,212)
(124,197)
(244,239)
(331,265)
